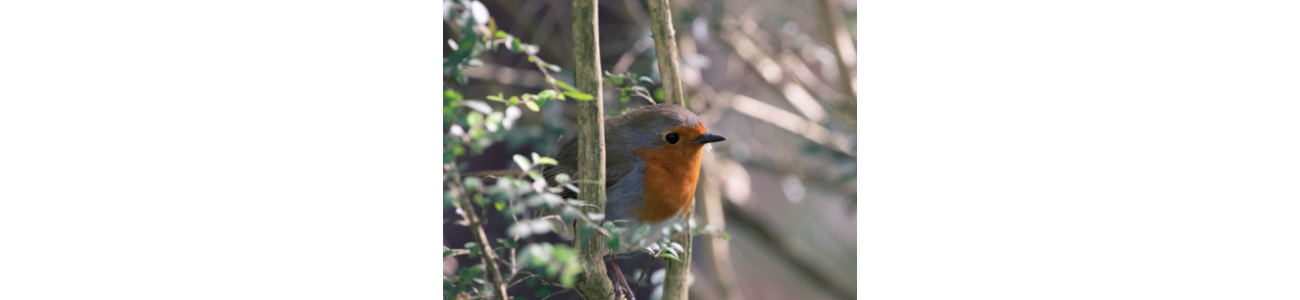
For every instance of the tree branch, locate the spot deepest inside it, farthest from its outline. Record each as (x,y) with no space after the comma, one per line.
(488,257)
(661,26)
(594,284)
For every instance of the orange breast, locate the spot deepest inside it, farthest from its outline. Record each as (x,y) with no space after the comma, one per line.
(670,176)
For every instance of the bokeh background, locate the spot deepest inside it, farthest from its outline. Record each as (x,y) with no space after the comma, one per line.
(773,76)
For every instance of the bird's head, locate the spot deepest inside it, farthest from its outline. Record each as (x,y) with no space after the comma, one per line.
(666,127)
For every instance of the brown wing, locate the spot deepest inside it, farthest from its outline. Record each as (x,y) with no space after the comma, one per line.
(568,161)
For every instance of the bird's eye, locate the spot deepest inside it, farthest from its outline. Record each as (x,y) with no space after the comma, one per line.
(671,138)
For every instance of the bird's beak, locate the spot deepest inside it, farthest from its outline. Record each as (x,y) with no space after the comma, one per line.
(709,138)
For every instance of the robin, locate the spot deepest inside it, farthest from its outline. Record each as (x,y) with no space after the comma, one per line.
(652,163)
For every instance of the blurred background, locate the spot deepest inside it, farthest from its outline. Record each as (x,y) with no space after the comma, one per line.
(773,76)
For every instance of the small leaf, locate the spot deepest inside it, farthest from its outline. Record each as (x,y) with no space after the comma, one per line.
(618,81)
(535,157)
(493,120)
(578,95)
(612,243)
(564,85)
(446,254)
(451,95)
(596,217)
(520,229)
(501,206)
(523,162)
(480,12)
(472,183)
(474,119)
(456,130)
(542,292)
(512,114)
(532,106)
(647,80)
(547,161)
(540,226)
(562,178)
(585,232)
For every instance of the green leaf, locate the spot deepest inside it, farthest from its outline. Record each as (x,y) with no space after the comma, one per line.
(535,175)
(669,256)
(496,97)
(472,183)
(564,85)
(451,95)
(500,34)
(532,106)
(618,81)
(474,118)
(612,242)
(493,120)
(446,254)
(535,157)
(514,100)
(547,161)
(530,281)
(501,206)
(578,95)
(584,233)
(647,80)
(520,229)
(659,94)
(641,231)
(542,292)
(523,162)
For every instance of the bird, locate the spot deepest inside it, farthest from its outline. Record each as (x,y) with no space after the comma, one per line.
(652,164)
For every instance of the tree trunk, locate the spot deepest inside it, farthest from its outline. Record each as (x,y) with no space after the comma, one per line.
(594,284)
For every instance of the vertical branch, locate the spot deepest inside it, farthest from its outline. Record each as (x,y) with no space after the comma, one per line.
(497,286)
(595,284)
(661,26)
(711,213)
(833,21)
